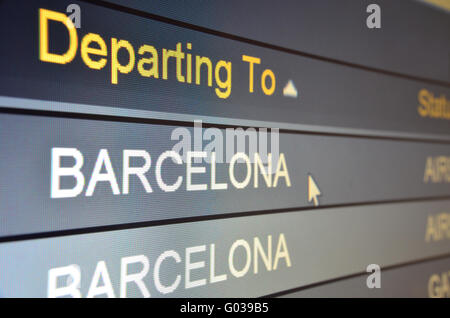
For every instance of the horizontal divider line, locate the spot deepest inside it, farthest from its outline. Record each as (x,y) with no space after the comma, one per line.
(126,226)
(170,122)
(341,278)
(230,36)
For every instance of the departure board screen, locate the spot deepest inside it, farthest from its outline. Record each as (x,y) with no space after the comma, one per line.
(224,149)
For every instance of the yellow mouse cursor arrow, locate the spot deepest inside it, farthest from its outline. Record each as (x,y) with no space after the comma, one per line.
(313,191)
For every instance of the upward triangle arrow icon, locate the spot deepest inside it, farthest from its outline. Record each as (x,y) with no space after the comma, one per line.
(313,191)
